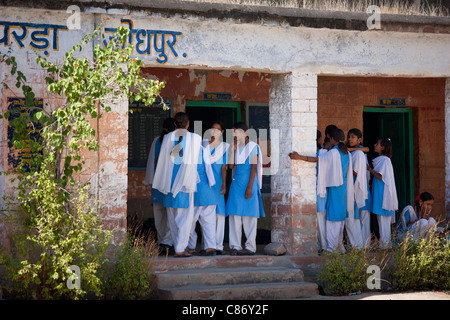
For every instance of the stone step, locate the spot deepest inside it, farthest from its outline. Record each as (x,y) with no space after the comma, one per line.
(252,291)
(228,276)
(197,262)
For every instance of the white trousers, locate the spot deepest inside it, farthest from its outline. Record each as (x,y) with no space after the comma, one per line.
(180,224)
(162,225)
(206,216)
(384,226)
(220,231)
(364,219)
(420,228)
(321,230)
(250,225)
(335,233)
(353,228)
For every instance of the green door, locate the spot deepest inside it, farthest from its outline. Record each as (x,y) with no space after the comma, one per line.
(396,124)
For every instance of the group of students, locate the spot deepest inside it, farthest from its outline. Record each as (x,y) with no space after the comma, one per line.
(345,196)
(187,175)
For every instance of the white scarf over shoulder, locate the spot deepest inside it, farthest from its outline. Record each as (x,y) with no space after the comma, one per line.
(218,153)
(150,171)
(207,162)
(360,185)
(412,215)
(240,158)
(330,175)
(383,166)
(187,176)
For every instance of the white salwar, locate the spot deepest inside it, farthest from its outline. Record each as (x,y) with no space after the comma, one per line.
(250,226)
(180,222)
(206,216)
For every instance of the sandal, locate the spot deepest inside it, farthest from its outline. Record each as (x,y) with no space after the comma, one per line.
(182,255)
(245,252)
(204,253)
(233,252)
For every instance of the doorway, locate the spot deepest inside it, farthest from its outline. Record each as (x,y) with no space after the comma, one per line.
(396,124)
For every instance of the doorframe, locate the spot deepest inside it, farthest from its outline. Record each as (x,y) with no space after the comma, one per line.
(409,123)
(222,104)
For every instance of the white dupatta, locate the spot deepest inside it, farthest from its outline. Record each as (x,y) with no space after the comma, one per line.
(207,162)
(150,171)
(360,186)
(240,158)
(187,176)
(383,166)
(330,175)
(219,151)
(412,216)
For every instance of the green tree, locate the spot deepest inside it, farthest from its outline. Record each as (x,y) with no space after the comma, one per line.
(54,216)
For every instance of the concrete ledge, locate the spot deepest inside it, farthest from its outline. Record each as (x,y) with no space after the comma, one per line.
(241,13)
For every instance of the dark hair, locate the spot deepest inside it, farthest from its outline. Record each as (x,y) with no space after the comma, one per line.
(318,136)
(330,128)
(339,136)
(240,125)
(168,126)
(181,120)
(424,196)
(356,132)
(220,123)
(386,143)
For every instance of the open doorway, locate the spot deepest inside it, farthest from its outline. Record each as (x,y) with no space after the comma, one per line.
(396,124)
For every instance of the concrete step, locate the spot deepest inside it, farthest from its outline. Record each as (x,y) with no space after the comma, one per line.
(252,291)
(228,276)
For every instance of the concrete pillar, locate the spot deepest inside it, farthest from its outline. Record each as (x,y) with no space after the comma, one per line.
(113,168)
(293,111)
(447,148)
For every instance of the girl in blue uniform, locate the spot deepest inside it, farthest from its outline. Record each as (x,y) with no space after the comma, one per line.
(361,219)
(244,205)
(334,180)
(176,177)
(164,237)
(219,151)
(384,194)
(205,201)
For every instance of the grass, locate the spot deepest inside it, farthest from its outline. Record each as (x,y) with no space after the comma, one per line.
(411,7)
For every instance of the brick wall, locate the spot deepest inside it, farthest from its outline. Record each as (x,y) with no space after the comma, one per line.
(341,101)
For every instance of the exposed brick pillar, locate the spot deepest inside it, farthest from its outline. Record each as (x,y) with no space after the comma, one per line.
(447,148)
(293,111)
(113,168)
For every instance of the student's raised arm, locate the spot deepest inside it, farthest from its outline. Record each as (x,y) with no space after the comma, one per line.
(295,156)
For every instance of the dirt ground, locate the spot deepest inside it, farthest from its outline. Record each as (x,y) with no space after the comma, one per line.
(422,295)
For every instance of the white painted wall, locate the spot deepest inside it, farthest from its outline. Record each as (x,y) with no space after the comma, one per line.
(241,46)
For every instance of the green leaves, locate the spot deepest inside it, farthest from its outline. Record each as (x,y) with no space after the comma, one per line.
(57,216)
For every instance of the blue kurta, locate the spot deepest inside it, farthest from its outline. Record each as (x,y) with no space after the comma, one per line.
(337,196)
(205,195)
(237,204)
(377,198)
(217,169)
(182,198)
(157,196)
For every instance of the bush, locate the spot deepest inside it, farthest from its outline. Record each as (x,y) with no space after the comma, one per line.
(422,264)
(129,275)
(345,273)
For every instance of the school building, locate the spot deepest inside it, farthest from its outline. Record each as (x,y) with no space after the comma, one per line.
(288,70)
